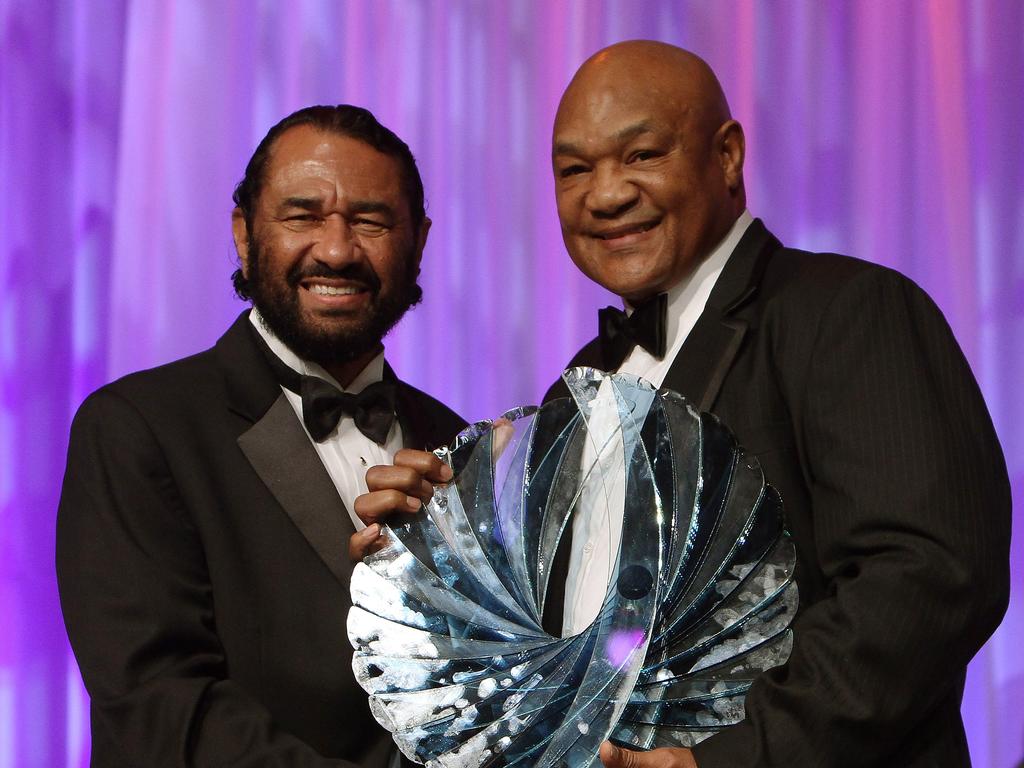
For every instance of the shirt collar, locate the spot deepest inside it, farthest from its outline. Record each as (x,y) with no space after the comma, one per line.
(374,370)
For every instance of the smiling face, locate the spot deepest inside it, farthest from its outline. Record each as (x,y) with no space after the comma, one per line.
(648,167)
(333,256)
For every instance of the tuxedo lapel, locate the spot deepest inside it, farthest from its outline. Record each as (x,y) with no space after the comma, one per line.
(700,367)
(279,449)
(707,354)
(419,428)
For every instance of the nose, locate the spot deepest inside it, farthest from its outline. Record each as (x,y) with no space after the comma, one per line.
(611,194)
(336,245)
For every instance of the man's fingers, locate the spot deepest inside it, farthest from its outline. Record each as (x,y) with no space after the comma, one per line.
(377,506)
(616,757)
(412,474)
(395,478)
(363,542)
(425,464)
(402,487)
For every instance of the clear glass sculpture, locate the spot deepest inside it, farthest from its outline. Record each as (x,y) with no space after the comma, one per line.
(446,618)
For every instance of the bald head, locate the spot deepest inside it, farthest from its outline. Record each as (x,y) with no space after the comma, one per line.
(648,166)
(680,78)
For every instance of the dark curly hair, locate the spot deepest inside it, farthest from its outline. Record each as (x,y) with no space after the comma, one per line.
(344,120)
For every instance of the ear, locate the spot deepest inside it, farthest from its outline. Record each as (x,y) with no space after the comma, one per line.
(731,148)
(240,234)
(421,239)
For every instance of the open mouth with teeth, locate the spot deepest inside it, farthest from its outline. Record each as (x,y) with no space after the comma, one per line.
(334,290)
(331,297)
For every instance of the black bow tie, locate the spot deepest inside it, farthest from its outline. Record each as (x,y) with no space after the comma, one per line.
(619,332)
(323,404)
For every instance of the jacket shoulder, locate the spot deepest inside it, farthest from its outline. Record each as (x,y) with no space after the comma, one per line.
(175,380)
(166,389)
(807,284)
(802,270)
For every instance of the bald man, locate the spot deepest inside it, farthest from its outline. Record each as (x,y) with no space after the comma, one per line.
(842,377)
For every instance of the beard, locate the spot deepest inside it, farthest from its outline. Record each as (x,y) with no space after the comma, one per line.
(277,300)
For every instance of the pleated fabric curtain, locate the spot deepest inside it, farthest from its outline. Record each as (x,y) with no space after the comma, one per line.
(889,131)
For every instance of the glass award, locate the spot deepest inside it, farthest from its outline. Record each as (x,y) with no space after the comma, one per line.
(447,617)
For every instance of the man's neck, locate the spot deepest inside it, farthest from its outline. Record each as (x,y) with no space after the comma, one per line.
(352,375)
(345,373)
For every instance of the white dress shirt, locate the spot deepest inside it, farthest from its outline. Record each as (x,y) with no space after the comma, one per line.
(597,524)
(346,453)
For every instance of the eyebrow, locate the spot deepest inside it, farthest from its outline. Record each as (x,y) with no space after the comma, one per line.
(627,133)
(371,206)
(305,203)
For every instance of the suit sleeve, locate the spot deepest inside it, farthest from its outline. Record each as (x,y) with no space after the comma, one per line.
(138,606)
(911,512)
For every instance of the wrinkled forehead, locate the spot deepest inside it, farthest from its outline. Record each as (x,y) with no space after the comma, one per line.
(310,163)
(603,108)
(316,151)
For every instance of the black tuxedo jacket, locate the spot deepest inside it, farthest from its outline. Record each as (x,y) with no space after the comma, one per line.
(202,559)
(845,381)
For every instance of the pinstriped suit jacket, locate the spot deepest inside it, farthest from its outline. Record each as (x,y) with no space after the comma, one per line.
(846,382)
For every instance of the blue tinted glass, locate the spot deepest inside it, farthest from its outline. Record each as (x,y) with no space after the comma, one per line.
(446,620)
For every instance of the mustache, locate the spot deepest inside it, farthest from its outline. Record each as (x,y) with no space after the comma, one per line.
(355,272)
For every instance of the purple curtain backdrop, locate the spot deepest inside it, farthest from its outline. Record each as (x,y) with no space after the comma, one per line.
(888,130)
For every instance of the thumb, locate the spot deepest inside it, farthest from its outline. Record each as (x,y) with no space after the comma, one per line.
(370,532)
(360,543)
(616,757)
(672,757)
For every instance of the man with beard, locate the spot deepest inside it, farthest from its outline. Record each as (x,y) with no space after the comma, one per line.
(840,376)
(207,504)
